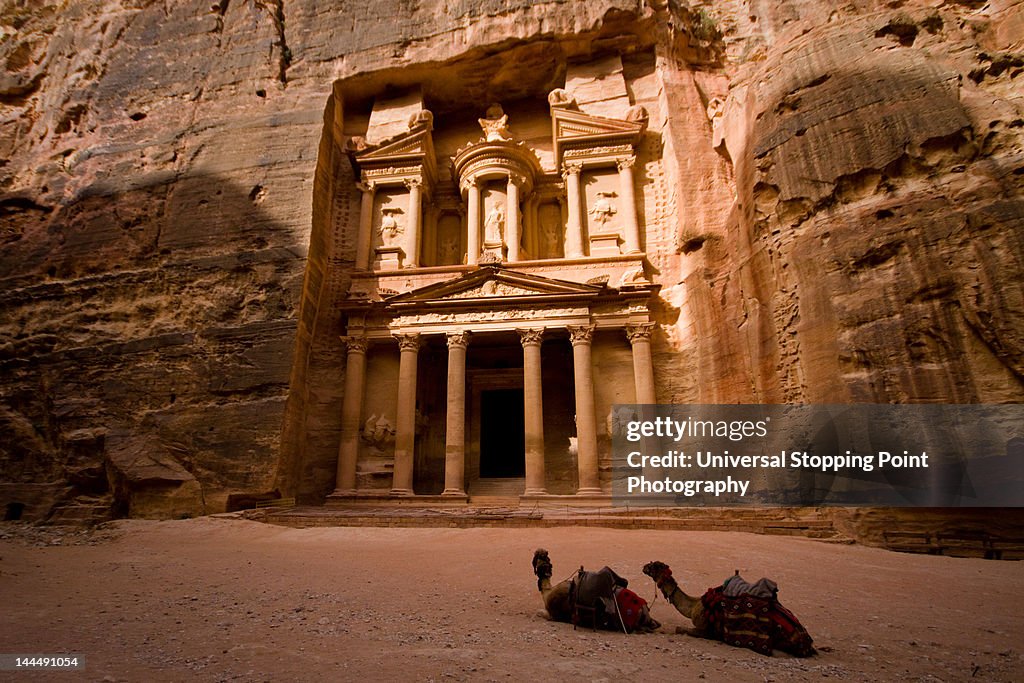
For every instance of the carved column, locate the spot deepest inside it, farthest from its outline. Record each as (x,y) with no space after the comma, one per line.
(363,237)
(512,232)
(455,428)
(351,412)
(643,366)
(412,233)
(586,418)
(631,231)
(533,411)
(473,236)
(574,229)
(405,428)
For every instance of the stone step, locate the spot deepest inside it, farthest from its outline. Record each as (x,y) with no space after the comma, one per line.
(81,514)
(501,512)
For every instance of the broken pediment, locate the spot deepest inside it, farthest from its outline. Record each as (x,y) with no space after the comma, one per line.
(496,283)
(400,154)
(573,129)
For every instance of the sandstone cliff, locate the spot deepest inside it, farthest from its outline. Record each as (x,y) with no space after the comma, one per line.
(847,229)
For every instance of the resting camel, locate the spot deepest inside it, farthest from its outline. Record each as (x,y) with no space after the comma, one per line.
(744,620)
(603,593)
(556,598)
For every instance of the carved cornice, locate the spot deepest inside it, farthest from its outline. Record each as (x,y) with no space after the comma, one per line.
(530,337)
(581,334)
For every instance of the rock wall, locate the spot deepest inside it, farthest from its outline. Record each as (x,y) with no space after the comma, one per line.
(847,229)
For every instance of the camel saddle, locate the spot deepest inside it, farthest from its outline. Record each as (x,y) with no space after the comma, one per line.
(600,597)
(758,623)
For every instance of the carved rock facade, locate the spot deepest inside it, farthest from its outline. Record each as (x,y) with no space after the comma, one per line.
(826,205)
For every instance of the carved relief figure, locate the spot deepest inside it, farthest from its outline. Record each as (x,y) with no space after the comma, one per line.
(603,210)
(378,431)
(390,228)
(495,126)
(494,226)
(450,249)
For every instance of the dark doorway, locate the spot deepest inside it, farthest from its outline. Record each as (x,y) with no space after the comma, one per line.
(13,512)
(502,442)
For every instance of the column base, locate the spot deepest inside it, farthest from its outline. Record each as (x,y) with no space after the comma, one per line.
(592,491)
(342,493)
(401,492)
(535,492)
(454,493)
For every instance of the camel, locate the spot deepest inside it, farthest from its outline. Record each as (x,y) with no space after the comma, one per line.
(604,592)
(556,598)
(744,620)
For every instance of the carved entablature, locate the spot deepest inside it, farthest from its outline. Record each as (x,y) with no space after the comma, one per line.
(496,160)
(495,298)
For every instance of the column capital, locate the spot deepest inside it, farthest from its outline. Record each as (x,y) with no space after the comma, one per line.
(366,186)
(355,344)
(625,163)
(469,183)
(639,332)
(517,180)
(408,342)
(581,334)
(458,339)
(412,182)
(571,168)
(530,337)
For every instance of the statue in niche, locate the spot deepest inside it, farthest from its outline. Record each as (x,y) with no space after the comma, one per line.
(552,237)
(494,226)
(450,249)
(378,431)
(603,210)
(390,228)
(495,125)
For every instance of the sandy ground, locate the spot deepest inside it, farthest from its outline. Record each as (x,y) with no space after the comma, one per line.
(223,600)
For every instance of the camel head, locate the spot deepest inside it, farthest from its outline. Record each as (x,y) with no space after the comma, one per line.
(657,571)
(541,566)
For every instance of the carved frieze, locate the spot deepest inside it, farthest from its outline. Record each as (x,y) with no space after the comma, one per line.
(488,316)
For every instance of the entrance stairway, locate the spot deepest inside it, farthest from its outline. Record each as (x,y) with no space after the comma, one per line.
(503,511)
(495,492)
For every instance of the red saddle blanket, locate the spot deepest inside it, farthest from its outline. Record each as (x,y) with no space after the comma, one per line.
(755,623)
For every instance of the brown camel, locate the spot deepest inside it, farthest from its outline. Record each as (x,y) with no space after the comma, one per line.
(556,598)
(743,620)
(603,594)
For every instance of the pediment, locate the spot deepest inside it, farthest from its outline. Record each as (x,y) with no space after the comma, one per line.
(574,127)
(413,145)
(496,283)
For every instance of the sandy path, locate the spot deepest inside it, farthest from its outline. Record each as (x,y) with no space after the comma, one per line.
(216,599)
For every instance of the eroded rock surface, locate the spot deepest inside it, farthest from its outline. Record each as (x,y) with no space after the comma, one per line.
(843,227)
